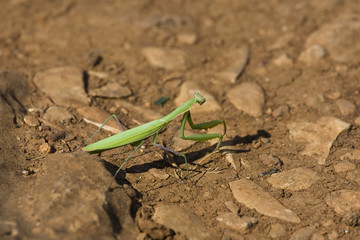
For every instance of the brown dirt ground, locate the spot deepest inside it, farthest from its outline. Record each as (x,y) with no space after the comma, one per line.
(38,35)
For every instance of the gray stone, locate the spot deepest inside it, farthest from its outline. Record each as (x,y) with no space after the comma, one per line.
(183,221)
(318,136)
(168,59)
(294,179)
(64,85)
(254,197)
(248,97)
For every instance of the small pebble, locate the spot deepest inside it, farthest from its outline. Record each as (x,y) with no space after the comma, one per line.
(334,95)
(186,38)
(31,121)
(270,160)
(283,61)
(346,107)
(312,54)
(357,121)
(45,148)
(256,144)
(280,111)
(232,207)
(159,173)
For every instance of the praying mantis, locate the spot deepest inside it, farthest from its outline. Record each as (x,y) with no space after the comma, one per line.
(136,136)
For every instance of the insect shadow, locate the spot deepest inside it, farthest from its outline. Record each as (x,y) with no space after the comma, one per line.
(235,145)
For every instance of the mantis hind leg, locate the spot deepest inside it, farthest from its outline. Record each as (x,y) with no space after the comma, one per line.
(206,125)
(172,151)
(112,116)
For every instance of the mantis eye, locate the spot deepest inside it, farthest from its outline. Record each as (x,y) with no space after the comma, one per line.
(200,99)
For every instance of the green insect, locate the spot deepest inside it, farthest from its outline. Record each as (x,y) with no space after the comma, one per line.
(137,136)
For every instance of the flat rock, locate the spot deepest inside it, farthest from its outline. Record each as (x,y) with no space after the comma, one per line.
(351,154)
(146,113)
(232,220)
(318,136)
(69,196)
(97,116)
(187,91)
(253,196)
(237,58)
(168,59)
(277,231)
(353,176)
(56,114)
(312,54)
(294,179)
(232,207)
(344,201)
(337,38)
(270,160)
(64,85)
(111,90)
(344,166)
(183,221)
(159,173)
(305,233)
(346,107)
(248,97)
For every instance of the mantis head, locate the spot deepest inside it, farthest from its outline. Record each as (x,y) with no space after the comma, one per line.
(199,99)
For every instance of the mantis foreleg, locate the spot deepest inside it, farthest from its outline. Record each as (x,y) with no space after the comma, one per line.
(206,125)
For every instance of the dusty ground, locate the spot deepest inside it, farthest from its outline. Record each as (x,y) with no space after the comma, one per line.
(108,37)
